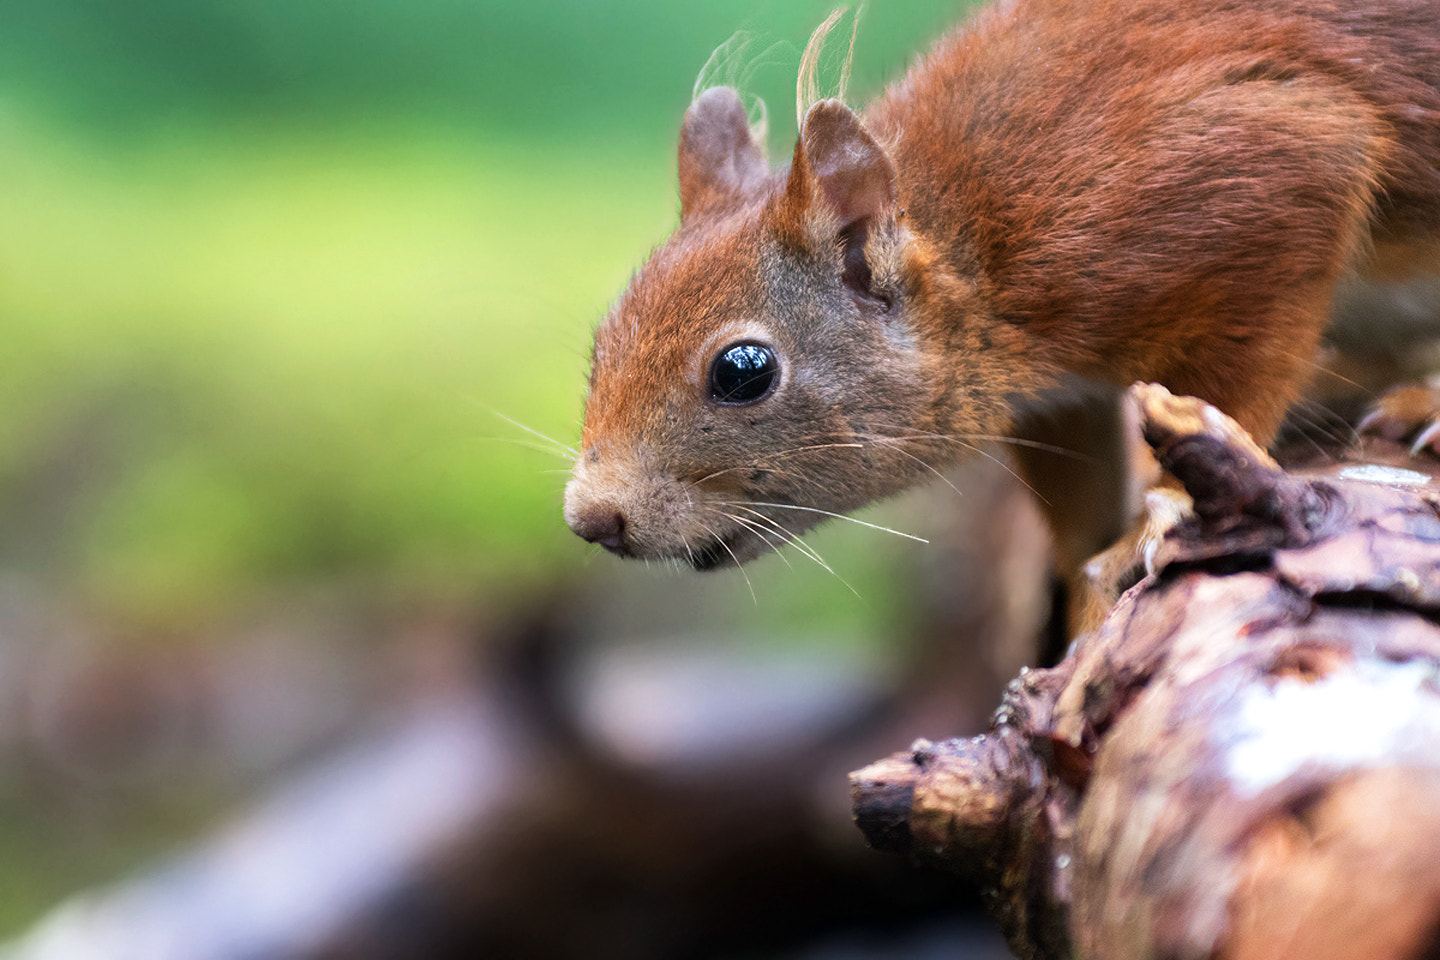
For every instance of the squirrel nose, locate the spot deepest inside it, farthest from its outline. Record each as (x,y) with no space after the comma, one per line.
(603,525)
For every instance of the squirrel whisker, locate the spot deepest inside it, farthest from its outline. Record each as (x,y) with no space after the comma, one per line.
(828,513)
(760,532)
(570,451)
(739,566)
(795,540)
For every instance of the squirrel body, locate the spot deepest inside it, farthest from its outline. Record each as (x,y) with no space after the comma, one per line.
(1061,190)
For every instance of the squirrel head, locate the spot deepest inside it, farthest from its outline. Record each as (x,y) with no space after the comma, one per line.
(777,358)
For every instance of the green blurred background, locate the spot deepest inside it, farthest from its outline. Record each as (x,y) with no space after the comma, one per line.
(268,269)
(271,271)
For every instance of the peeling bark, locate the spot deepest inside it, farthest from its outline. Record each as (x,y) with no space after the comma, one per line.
(1244,760)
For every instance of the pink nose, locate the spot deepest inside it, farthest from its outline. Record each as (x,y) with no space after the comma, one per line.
(604,525)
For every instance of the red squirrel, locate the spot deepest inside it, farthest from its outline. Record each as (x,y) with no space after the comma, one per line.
(1061,192)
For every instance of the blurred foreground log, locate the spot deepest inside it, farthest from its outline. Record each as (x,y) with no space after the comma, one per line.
(1244,761)
(556,778)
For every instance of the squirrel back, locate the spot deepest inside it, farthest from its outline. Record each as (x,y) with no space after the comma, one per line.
(1112,190)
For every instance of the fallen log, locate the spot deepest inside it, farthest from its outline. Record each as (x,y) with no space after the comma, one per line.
(1244,760)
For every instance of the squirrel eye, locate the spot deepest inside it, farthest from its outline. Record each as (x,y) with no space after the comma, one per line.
(743,373)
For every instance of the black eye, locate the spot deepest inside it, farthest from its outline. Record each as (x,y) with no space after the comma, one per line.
(743,373)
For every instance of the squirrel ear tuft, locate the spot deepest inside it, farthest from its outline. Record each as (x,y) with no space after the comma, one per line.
(719,159)
(852,175)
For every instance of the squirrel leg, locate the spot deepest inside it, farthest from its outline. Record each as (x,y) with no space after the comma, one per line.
(1111,571)
(1408,414)
(1247,340)
(1088,468)
(1382,368)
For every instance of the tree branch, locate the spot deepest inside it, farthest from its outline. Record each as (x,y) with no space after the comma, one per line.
(1244,760)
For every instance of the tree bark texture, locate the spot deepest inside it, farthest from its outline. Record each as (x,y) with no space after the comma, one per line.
(1244,760)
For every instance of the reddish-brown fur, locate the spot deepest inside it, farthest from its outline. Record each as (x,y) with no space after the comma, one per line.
(1189,185)
(1111,189)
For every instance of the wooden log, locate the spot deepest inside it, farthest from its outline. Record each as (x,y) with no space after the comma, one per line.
(1244,760)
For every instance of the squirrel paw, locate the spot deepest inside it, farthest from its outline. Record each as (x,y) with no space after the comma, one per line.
(1131,558)
(1407,414)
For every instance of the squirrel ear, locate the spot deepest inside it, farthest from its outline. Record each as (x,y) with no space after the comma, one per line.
(854,177)
(719,159)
